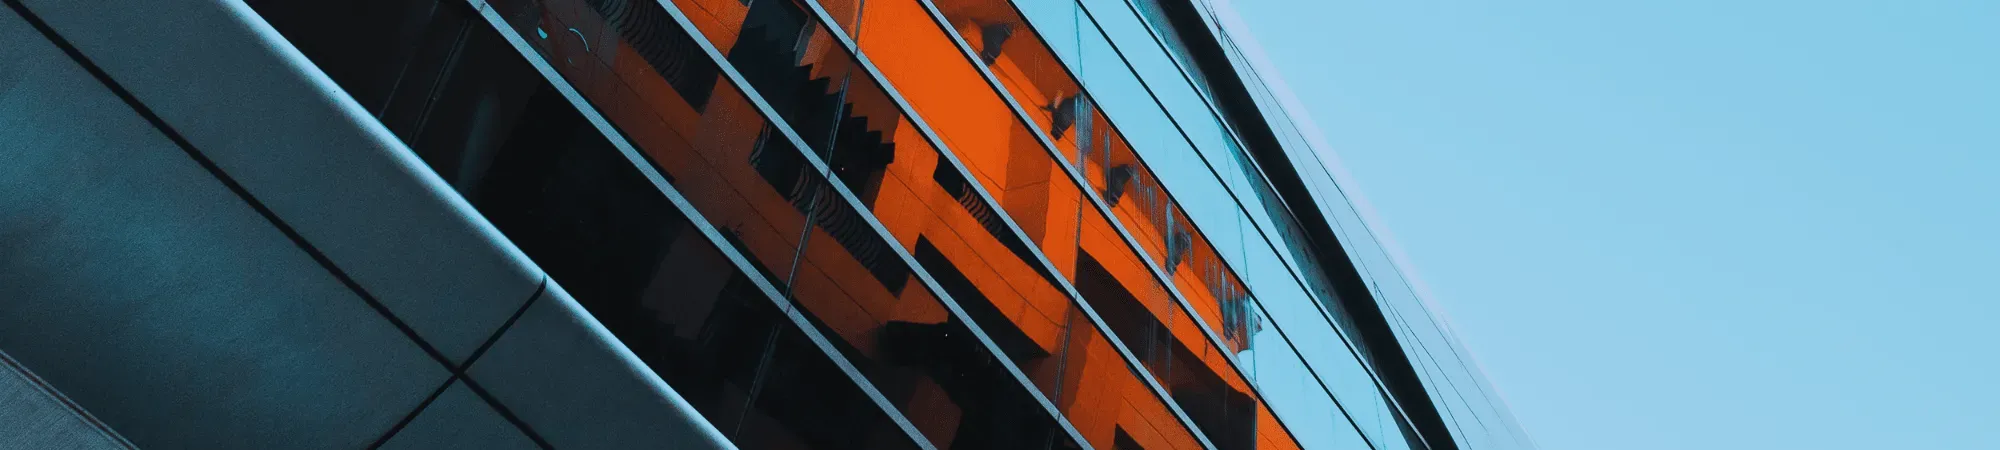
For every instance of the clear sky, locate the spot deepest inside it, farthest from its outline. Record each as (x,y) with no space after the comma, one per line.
(1688,224)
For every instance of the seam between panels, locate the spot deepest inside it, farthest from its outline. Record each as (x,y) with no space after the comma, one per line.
(695,218)
(215,171)
(462,374)
(947,155)
(270,216)
(244,195)
(1102,208)
(414,412)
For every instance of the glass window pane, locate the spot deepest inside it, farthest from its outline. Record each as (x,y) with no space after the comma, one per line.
(584,213)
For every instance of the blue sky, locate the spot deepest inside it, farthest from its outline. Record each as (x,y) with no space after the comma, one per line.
(1691,224)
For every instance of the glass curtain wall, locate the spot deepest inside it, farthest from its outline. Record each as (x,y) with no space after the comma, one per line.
(656,274)
(1028,71)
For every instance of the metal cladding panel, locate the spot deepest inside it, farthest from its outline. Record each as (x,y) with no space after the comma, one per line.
(38,416)
(458,419)
(140,286)
(217,248)
(234,88)
(567,378)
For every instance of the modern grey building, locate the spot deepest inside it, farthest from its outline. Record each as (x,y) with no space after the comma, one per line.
(768,224)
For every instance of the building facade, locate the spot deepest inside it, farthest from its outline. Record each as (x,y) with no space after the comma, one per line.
(779,224)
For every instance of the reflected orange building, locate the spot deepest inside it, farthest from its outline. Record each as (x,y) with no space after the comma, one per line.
(917,223)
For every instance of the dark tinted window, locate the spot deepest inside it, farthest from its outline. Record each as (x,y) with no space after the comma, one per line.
(527,160)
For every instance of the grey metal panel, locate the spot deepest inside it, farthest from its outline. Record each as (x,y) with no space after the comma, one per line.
(458,419)
(569,379)
(135,282)
(214,71)
(34,415)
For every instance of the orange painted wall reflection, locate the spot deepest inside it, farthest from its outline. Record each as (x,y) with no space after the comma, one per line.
(947,91)
(783,213)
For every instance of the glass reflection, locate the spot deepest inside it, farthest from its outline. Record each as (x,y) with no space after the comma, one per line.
(585,214)
(771,201)
(1107,163)
(957,103)
(935,215)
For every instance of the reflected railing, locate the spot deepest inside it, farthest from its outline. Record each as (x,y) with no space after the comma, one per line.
(1033,75)
(791,209)
(965,114)
(566,193)
(961,240)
